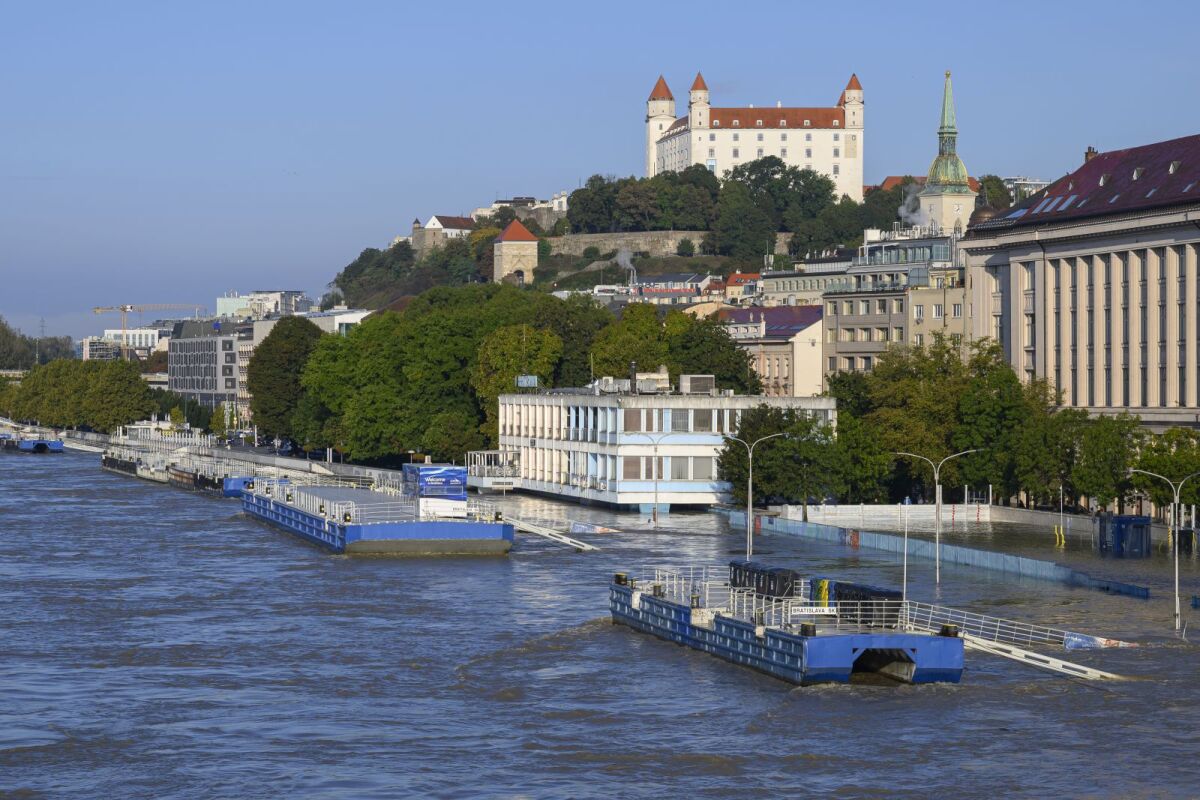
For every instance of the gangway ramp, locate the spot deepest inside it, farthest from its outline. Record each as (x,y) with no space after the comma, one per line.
(1039,660)
(540,528)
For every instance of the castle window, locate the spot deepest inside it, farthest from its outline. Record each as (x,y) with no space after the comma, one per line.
(760,137)
(783,123)
(808,152)
(737,123)
(758,122)
(835,123)
(783,137)
(808,137)
(808,123)
(837,153)
(735,152)
(736,136)
(712,153)
(783,153)
(836,171)
(760,152)
(716,123)
(712,137)
(835,136)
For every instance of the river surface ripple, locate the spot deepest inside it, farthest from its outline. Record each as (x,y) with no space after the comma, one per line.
(159,644)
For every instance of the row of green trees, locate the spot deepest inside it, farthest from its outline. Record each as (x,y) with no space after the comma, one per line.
(18,351)
(934,402)
(427,378)
(741,213)
(66,393)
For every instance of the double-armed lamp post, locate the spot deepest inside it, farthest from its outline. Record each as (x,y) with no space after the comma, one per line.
(937,524)
(1173,531)
(750,487)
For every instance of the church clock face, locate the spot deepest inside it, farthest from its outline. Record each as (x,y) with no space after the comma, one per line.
(957,208)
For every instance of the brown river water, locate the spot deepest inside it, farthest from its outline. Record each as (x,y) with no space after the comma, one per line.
(159,644)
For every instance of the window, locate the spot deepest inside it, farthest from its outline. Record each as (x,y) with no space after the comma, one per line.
(679,468)
(836,171)
(937,310)
(679,420)
(865,363)
(782,136)
(897,334)
(864,307)
(702,468)
(783,153)
(808,152)
(760,152)
(832,363)
(808,137)
(835,136)
(736,136)
(227,344)
(956,310)
(735,152)
(848,307)
(760,135)
(712,153)
(808,123)
(737,123)
(919,311)
(758,122)
(881,334)
(702,420)
(783,124)
(881,306)
(919,339)
(837,152)
(831,335)
(712,137)
(897,306)
(633,420)
(631,468)
(831,308)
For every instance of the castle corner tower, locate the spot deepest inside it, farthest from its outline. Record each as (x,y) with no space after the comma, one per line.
(660,115)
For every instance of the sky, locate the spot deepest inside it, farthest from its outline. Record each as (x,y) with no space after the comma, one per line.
(170,152)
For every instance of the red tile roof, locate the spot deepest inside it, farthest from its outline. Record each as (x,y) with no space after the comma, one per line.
(699,85)
(455,223)
(778,117)
(892,181)
(854,84)
(660,90)
(741,278)
(516,232)
(1126,181)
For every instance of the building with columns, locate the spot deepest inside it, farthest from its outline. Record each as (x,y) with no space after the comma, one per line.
(827,140)
(1091,284)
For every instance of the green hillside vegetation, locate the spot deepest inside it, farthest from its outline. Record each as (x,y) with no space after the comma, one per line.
(18,351)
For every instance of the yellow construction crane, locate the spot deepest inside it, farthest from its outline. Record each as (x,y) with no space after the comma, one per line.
(126,309)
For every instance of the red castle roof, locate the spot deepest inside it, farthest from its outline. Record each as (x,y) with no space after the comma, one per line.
(699,85)
(516,232)
(660,91)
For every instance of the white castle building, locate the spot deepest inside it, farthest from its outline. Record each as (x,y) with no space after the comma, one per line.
(827,140)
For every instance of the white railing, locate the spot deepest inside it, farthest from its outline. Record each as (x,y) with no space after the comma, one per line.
(924,616)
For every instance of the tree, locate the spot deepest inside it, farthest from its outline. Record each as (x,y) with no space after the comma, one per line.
(800,467)
(637,336)
(991,411)
(218,426)
(1174,454)
(1106,452)
(742,230)
(685,248)
(784,194)
(273,375)
(176,417)
(1047,450)
(852,391)
(997,194)
(637,206)
(450,435)
(504,354)
(863,466)
(704,347)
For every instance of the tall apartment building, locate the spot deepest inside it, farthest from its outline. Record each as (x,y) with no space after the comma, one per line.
(202,362)
(827,140)
(1092,283)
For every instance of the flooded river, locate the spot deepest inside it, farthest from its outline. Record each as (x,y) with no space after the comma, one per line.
(159,644)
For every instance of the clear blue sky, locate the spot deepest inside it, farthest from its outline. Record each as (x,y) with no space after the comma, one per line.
(167,152)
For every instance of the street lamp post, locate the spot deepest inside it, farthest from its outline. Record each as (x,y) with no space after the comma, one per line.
(656,467)
(904,580)
(1173,529)
(750,487)
(937,491)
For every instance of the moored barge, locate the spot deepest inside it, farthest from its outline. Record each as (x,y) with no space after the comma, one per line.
(35,445)
(358,520)
(782,630)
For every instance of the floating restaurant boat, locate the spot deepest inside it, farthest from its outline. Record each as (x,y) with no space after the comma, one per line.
(768,620)
(357,519)
(30,444)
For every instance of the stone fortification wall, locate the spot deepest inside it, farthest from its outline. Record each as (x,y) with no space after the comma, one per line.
(656,243)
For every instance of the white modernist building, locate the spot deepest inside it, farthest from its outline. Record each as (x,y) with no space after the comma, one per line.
(607,444)
(827,140)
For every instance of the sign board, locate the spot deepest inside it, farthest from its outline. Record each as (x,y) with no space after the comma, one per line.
(527,381)
(814,611)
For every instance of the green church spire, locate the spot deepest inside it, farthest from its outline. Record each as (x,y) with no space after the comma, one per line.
(947,173)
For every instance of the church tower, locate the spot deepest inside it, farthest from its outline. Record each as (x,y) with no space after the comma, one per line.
(698,105)
(660,115)
(947,200)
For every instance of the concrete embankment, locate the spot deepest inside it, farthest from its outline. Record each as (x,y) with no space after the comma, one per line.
(921,548)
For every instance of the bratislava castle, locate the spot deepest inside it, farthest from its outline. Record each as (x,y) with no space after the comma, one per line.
(827,140)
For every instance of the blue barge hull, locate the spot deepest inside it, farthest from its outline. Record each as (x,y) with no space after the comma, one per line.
(804,660)
(33,445)
(416,537)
